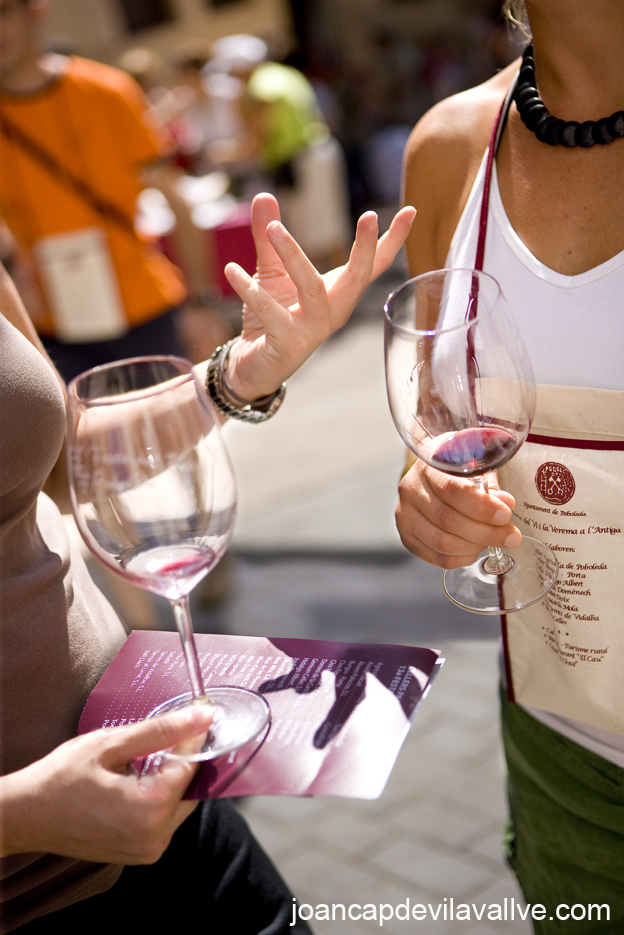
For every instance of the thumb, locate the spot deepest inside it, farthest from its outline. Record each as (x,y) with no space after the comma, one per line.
(156,734)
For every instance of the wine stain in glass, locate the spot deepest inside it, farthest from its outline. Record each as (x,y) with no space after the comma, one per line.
(473,451)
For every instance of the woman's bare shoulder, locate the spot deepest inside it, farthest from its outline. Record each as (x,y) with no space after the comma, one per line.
(442,159)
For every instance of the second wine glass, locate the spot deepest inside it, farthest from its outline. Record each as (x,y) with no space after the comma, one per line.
(462,396)
(154,497)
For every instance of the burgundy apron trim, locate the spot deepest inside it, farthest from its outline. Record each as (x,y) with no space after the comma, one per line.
(473,302)
(582,443)
(485,200)
(497,132)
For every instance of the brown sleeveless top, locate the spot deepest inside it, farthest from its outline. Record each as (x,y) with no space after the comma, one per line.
(57,632)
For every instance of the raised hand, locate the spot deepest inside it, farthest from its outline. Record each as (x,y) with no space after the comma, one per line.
(290,309)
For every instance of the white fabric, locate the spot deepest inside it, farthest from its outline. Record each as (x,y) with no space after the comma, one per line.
(603,743)
(572,328)
(571,325)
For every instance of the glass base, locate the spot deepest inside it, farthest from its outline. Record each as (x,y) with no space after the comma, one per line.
(240,715)
(531,576)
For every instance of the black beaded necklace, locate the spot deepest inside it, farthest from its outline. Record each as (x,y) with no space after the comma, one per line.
(552,130)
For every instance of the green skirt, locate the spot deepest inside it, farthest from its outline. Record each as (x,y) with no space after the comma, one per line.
(566,835)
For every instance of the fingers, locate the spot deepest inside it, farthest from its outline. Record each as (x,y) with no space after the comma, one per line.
(79,802)
(464,497)
(369,256)
(308,281)
(264,209)
(447,521)
(362,257)
(268,310)
(154,734)
(495,491)
(394,238)
(346,285)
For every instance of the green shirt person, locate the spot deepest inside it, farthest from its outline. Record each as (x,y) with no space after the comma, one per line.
(288,118)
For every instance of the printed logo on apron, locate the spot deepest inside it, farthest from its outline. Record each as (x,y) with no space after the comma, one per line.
(555,483)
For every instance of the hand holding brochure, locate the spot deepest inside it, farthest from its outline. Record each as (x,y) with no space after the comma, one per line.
(339,711)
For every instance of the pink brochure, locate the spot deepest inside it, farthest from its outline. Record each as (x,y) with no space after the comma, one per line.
(339,711)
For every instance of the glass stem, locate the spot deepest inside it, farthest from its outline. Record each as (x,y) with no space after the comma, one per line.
(182,614)
(497,563)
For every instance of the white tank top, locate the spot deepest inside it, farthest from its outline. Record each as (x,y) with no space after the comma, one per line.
(572,327)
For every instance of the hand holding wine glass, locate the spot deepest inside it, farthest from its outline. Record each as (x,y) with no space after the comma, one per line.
(447,521)
(462,396)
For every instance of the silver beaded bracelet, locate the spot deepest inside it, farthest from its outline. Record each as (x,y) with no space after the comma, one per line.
(258,410)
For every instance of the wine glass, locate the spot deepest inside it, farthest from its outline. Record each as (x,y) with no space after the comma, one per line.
(154,497)
(462,396)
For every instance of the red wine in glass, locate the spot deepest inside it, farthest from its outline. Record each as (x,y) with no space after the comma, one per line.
(471,452)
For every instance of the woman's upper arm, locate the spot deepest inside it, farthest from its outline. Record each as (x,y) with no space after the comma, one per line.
(441,161)
(13,310)
(12,307)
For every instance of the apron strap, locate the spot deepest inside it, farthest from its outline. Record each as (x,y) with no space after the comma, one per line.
(473,302)
(497,132)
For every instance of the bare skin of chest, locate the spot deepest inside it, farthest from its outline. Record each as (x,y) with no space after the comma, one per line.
(566,205)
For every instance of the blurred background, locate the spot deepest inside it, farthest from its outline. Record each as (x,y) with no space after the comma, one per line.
(376,65)
(316,553)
